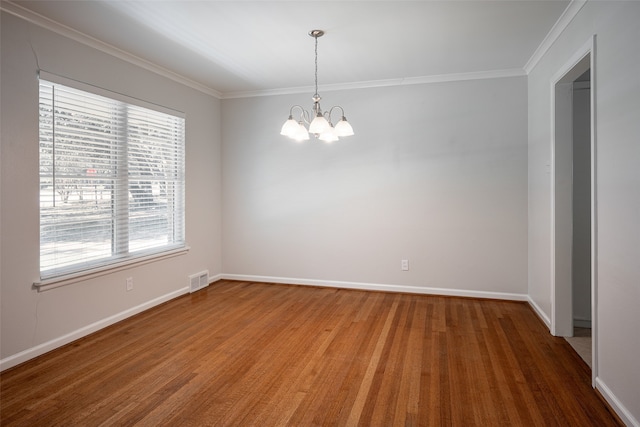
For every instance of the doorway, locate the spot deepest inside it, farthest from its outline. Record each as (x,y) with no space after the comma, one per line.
(573,204)
(581,217)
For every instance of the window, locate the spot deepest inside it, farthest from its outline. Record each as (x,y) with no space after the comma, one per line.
(111,180)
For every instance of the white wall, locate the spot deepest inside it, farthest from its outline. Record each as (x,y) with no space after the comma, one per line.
(617,93)
(435,174)
(33,322)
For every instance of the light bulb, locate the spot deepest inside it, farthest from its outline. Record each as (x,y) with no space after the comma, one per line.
(343,128)
(319,125)
(329,135)
(289,127)
(300,133)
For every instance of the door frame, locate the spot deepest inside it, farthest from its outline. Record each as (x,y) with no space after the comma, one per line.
(561,186)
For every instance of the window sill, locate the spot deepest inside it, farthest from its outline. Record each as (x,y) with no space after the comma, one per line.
(69,279)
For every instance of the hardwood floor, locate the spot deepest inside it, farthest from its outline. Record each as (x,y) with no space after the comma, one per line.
(242,353)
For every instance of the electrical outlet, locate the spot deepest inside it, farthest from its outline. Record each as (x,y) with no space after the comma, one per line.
(405,265)
(129,284)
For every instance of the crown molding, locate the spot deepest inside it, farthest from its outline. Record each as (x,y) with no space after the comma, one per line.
(558,28)
(567,16)
(51,25)
(441,78)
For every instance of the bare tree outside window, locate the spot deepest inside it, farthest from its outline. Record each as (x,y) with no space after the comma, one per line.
(111,180)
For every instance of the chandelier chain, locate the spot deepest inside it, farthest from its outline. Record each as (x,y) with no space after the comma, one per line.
(316,37)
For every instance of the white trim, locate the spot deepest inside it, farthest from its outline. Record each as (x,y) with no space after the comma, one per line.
(563,74)
(43,348)
(21,12)
(63,30)
(582,323)
(578,55)
(582,85)
(558,28)
(215,278)
(51,25)
(442,78)
(56,282)
(97,90)
(40,349)
(539,311)
(594,216)
(378,287)
(624,414)
(557,78)
(560,263)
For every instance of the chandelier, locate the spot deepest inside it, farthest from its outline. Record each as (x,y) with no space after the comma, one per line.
(320,126)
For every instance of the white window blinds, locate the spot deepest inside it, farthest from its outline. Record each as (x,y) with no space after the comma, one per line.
(111,181)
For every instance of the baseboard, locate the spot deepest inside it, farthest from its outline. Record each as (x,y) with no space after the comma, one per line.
(582,323)
(625,416)
(378,287)
(541,314)
(215,278)
(43,348)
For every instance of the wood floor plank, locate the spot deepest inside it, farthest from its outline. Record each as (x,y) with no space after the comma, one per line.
(364,389)
(241,353)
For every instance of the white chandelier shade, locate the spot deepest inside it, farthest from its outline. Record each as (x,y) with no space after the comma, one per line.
(321,126)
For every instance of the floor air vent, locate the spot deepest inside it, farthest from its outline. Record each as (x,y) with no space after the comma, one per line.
(198,281)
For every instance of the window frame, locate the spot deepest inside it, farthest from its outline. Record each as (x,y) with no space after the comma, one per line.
(117,260)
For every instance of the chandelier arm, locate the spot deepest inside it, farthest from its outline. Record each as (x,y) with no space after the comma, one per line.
(294,106)
(336,106)
(304,114)
(327,115)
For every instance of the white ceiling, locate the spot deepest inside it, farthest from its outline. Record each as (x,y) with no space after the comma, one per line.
(233,47)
